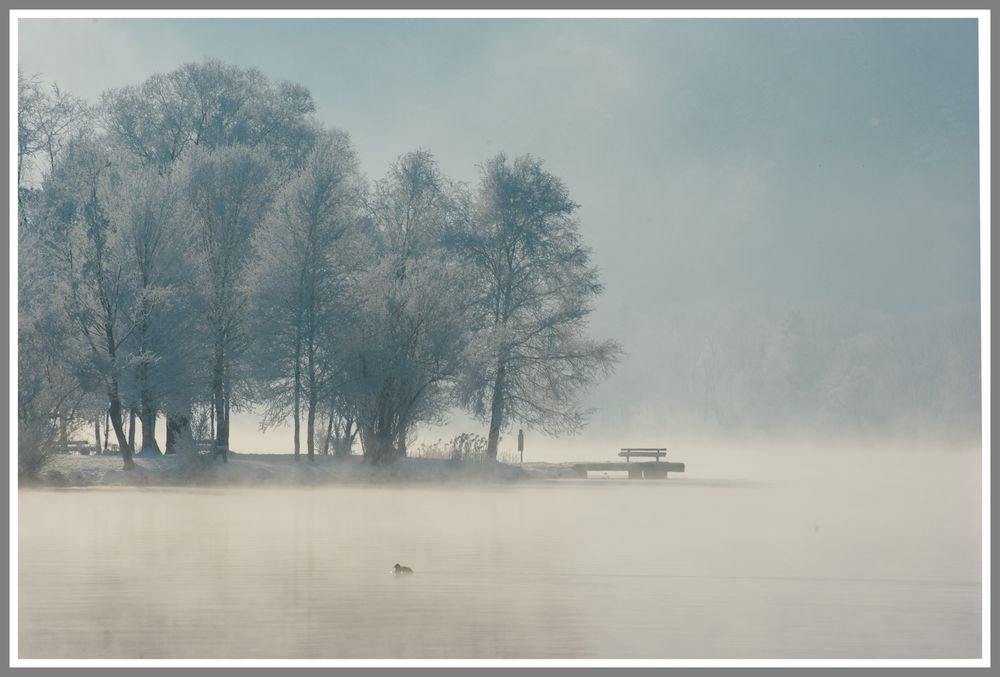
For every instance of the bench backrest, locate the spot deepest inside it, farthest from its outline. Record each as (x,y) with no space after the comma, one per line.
(642,453)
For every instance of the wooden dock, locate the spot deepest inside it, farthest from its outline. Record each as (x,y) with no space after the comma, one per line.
(648,470)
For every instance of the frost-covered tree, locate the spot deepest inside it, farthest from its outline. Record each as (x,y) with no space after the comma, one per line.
(229,191)
(50,393)
(194,109)
(148,212)
(210,104)
(92,278)
(411,325)
(46,119)
(184,350)
(307,253)
(535,287)
(50,387)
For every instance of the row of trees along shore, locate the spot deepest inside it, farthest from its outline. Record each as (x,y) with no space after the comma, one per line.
(199,243)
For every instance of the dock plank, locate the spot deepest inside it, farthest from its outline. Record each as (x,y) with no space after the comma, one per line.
(638,470)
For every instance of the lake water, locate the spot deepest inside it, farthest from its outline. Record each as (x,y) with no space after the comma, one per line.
(816,556)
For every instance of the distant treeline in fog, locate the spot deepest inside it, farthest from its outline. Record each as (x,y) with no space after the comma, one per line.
(829,371)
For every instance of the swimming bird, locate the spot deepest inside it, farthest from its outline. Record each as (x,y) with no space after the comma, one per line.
(400,570)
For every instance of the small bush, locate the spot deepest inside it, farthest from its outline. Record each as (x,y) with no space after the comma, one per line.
(35,445)
(468,447)
(436,450)
(464,448)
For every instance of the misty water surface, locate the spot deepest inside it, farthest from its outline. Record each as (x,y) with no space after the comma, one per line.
(809,556)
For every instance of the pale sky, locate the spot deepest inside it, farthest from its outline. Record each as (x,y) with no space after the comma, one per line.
(766,164)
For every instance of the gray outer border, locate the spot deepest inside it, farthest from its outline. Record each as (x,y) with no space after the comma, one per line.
(493,4)
(475,5)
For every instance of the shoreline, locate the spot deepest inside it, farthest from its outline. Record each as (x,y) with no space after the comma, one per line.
(155,470)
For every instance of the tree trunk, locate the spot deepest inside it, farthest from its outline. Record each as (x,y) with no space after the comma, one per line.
(147,409)
(326,440)
(400,446)
(97,435)
(148,420)
(178,431)
(311,368)
(180,440)
(63,433)
(368,450)
(311,427)
(296,414)
(115,414)
(350,430)
(131,429)
(297,371)
(171,443)
(378,444)
(221,425)
(385,436)
(221,421)
(114,399)
(383,449)
(496,413)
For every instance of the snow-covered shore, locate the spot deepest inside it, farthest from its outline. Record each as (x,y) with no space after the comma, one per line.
(73,470)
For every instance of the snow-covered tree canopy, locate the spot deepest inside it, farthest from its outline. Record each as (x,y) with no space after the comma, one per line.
(209,104)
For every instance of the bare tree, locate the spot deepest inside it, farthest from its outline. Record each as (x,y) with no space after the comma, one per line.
(230,190)
(411,325)
(534,290)
(147,209)
(51,385)
(306,254)
(45,120)
(92,273)
(196,108)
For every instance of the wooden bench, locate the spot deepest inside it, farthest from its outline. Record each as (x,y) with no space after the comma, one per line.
(642,452)
(79,447)
(205,446)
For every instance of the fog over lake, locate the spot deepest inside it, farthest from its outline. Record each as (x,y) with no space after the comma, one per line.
(779,556)
(757,245)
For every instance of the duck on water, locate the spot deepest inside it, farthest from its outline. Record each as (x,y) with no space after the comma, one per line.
(401,570)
